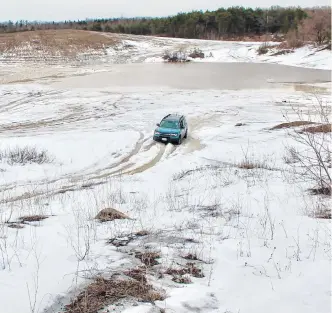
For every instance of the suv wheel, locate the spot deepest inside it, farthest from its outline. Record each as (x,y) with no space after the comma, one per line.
(185,135)
(180,140)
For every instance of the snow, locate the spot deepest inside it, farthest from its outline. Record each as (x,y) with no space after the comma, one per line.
(257,243)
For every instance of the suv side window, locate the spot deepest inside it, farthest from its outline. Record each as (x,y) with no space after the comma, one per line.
(181,123)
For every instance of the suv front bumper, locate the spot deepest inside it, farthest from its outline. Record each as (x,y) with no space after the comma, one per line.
(166,139)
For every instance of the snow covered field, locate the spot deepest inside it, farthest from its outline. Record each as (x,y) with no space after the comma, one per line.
(149,49)
(249,234)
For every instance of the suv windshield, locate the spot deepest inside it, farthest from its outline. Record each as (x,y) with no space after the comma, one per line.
(169,124)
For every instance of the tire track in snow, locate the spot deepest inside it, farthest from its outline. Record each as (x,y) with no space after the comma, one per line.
(150,164)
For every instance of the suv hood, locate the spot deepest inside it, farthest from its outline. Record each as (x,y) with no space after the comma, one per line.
(164,130)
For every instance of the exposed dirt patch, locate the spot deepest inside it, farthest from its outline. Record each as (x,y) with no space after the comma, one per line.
(325,128)
(103,292)
(292,124)
(109,214)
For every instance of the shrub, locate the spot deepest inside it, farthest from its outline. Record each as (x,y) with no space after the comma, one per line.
(175,56)
(264,48)
(197,54)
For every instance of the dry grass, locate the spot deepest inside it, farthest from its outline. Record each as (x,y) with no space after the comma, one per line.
(103,292)
(25,155)
(109,214)
(323,213)
(325,128)
(148,258)
(252,164)
(66,42)
(32,218)
(291,124)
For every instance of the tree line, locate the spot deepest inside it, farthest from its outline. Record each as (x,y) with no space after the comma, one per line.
(219,24)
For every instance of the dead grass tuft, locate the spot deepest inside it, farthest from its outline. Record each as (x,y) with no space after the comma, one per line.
(191,256)
(15,225)
(142,233)
(32,218)
(282,52)
(323,212)
(189,268)
(148,258)
(104,292)
(249,165)
(325,128)
(264,48)
(291,124)
(182,279)
(326,191)
(138,274)
(109,214)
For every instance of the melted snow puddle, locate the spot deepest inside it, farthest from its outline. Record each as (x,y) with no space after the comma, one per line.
(231,76)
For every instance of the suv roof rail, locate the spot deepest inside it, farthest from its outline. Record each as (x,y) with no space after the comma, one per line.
(166,116)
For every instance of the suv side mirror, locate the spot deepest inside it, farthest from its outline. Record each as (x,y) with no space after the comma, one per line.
(158,124)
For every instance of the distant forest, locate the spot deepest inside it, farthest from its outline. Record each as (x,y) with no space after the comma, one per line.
(219,24)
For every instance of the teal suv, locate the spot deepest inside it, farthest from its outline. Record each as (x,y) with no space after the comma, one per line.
(172,128)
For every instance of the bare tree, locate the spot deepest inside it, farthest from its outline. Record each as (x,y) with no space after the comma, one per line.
(317,27)
(311,158)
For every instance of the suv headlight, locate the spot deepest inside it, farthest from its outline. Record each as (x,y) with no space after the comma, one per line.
(175,135)
(156,133)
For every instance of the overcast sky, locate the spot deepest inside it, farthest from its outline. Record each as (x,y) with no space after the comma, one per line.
(48,10)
